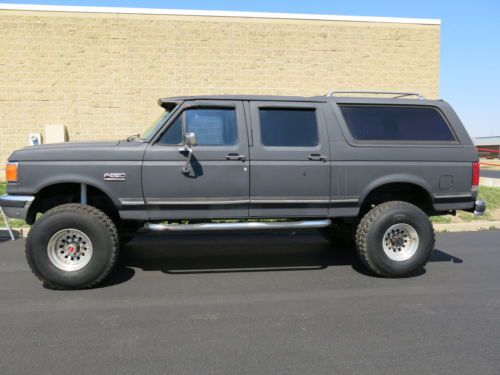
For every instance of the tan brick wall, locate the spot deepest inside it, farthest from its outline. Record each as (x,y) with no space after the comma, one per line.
(101,74)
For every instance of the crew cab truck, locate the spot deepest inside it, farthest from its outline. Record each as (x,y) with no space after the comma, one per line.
(371,168)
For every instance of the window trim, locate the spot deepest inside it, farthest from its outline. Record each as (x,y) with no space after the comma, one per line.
(187,106)
(396,143)
(293,108)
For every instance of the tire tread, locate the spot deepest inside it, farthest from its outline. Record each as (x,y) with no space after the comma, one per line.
(361,237)
(102,219)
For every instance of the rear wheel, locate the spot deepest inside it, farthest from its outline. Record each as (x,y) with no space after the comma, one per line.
(395,239)
(72,246)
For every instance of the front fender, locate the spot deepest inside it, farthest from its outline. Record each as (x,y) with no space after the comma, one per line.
(35,176)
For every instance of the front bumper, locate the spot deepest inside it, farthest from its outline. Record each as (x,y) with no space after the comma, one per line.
(16,206)
(479,208)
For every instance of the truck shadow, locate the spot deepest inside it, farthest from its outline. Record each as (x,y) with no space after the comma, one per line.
(175,254)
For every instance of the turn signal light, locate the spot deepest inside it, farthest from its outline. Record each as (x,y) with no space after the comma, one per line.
(11,172)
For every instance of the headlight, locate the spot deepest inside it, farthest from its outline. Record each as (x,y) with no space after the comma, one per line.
(11,172)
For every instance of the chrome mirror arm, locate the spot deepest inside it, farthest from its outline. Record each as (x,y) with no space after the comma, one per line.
(189,150)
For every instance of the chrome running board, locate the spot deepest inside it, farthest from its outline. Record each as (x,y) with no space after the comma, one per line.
(256,225)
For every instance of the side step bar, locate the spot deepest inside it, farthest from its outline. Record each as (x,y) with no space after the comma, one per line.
(307,224)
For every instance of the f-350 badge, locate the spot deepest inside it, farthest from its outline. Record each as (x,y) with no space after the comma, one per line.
(115,176)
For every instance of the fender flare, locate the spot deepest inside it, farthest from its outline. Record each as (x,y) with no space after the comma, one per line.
(398,178)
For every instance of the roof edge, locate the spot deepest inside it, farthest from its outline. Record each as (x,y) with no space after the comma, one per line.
(215,13)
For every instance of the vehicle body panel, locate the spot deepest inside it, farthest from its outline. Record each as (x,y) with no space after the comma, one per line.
(270,181)
(359,167)
(284,181)
(43,166)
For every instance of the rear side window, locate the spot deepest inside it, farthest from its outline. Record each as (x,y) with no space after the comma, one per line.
(396,123)
(290,127)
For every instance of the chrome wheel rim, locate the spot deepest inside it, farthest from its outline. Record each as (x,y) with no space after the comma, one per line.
(69,249)
(400,242)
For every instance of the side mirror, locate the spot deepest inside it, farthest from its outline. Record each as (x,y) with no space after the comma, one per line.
(190,139)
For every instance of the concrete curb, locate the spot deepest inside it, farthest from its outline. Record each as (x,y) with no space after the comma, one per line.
(490,182)
(472,226)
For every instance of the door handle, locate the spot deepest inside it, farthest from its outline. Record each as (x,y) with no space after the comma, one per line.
(317,157)
(235,156)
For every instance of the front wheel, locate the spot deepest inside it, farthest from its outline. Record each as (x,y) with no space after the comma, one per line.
(395,239)
(72,246)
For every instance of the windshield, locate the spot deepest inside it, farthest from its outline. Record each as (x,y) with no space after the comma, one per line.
(155,126)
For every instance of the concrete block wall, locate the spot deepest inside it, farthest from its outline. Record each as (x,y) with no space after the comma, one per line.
(100,74)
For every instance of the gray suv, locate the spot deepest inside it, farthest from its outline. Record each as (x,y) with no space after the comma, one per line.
(367,169)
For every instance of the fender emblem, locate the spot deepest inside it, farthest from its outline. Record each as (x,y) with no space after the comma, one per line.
(115,176)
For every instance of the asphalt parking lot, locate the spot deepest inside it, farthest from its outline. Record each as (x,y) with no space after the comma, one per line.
(257,304)
(490,173)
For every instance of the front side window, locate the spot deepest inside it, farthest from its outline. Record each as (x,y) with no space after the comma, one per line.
(288,127)
(158,123)
(212,126)
(396,123)
(173,135)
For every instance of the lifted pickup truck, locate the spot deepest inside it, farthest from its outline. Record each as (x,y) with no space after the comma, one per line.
(366,168)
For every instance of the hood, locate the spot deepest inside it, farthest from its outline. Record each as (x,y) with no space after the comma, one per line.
(70,151)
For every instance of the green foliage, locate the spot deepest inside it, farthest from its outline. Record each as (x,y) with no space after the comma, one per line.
(491,195)
(467,216)
(441,219)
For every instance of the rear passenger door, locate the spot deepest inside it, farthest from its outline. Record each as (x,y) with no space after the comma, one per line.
(290,160)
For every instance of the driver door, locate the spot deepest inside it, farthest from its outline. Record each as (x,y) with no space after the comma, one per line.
(215,183)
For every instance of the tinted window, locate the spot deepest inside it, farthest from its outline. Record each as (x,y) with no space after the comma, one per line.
(173,135)
(292,127)
(212,126)
(386,123)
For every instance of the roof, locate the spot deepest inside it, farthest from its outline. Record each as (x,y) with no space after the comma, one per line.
(218,13)
(487,141)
